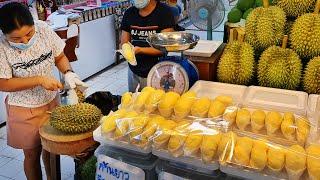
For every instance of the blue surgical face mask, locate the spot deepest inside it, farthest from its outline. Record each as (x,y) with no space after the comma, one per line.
(140,4)
(22,46)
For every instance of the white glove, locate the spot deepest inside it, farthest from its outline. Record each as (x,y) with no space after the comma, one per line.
(72,97)
(73,80)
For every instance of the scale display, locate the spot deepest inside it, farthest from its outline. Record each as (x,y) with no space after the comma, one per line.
(169,76)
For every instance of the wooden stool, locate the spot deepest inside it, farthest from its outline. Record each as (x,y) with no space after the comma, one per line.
(58,143)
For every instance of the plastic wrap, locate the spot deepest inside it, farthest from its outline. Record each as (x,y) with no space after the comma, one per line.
(255,157)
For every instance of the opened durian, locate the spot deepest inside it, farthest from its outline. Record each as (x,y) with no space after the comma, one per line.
(303,130)
(226,144)
(243,118)
(144,95)
(137,125)
(164,132)
(78,118)
(276,158)
(153,101)
(237,63)
(259,156)
(216,109)
(123,124)
(209,147)
(201,107)
(109,122)
(273,122)
(280,68)
(167,103)
(311,79)
(265,27)
(295,162)
(183,106)
(149,130)
(295,8)
(288,127)
(193,143)
(242,150)
(313,162)
(126,100)
(81,95)
(305,34)
(178,138)
(257,120)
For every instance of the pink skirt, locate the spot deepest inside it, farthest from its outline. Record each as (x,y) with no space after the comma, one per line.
(23,124)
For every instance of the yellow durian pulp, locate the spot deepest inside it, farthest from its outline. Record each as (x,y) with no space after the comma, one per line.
(153,101)
(141,100)
(273,122)
(303,130)
(167,103)
(109,122)
(148,88)
(242,150)
(288,127)
(209,147)
(216,109)
(226,100)
(230,114)
(178,136)
(183,106)
(313,162)
(150,129)
(137,126)
(226,144)
(296,158)
(276,158)
(193,143)
(128,52)
(126,100)
(201,107)
(257,120)
(123,124)
(243,118)
(259,156)
(164,132)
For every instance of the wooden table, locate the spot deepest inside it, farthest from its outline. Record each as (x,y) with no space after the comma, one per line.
(58,143)
(208,66)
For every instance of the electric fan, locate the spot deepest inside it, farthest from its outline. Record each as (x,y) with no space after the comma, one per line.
(206,14)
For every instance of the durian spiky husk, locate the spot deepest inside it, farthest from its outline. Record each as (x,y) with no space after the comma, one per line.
(279,68)
(295,8)
(77,118)
(237,64)
(305,36)
(311,80)
(265,27)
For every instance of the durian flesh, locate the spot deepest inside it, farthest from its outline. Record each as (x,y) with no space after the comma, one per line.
(273,122)
(313,162)
(139,103)
(109,122)
(288,127)
(167,103)
(257,120)
(295,161)
(209,147)
(126,100)
(201,107)
(243,118)
(276,158)
(216,109)
(193,143)
(259,156)
(178,138)
(303,130)
(153,101)
(183,106)
(243,150)
(226,100)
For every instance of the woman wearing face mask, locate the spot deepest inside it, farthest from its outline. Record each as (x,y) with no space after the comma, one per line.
(144,18)
(28,53)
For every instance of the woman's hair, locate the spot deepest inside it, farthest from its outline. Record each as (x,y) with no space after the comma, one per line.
(13,16)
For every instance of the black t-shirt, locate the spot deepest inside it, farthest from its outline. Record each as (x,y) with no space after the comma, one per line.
(140,27)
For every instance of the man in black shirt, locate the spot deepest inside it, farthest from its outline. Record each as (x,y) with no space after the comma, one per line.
(146,17)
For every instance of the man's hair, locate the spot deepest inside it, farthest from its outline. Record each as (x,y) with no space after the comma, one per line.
(13,16)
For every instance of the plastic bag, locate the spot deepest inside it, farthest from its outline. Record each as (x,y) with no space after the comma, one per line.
(105,101)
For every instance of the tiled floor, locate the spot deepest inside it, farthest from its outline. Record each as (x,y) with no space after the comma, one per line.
(11,160)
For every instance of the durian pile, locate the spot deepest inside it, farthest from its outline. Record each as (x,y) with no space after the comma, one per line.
(74,119)
(274,159)
(171,104)
(274,124)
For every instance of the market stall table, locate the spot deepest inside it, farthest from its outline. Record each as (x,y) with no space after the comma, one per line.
(58,143)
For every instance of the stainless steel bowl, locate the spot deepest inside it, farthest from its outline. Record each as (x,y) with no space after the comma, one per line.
(173,41)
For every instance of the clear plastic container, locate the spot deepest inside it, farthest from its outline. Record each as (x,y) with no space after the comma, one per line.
(214,89)
(312,103)
(276,100)
(176,171)
(145,162)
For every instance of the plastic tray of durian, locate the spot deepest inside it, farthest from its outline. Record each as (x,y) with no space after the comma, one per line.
(175,106)
(273,124)
(254,157)
(193,143)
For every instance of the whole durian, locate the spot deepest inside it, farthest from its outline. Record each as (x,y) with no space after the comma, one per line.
(265,27)
(236,65)
(75,119)
(305,35)
(311,79)
(295,8)
(279,68)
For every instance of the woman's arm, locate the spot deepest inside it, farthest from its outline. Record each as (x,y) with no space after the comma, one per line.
(62,63)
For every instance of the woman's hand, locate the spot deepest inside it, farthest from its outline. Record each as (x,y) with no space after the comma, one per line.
(49,83)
